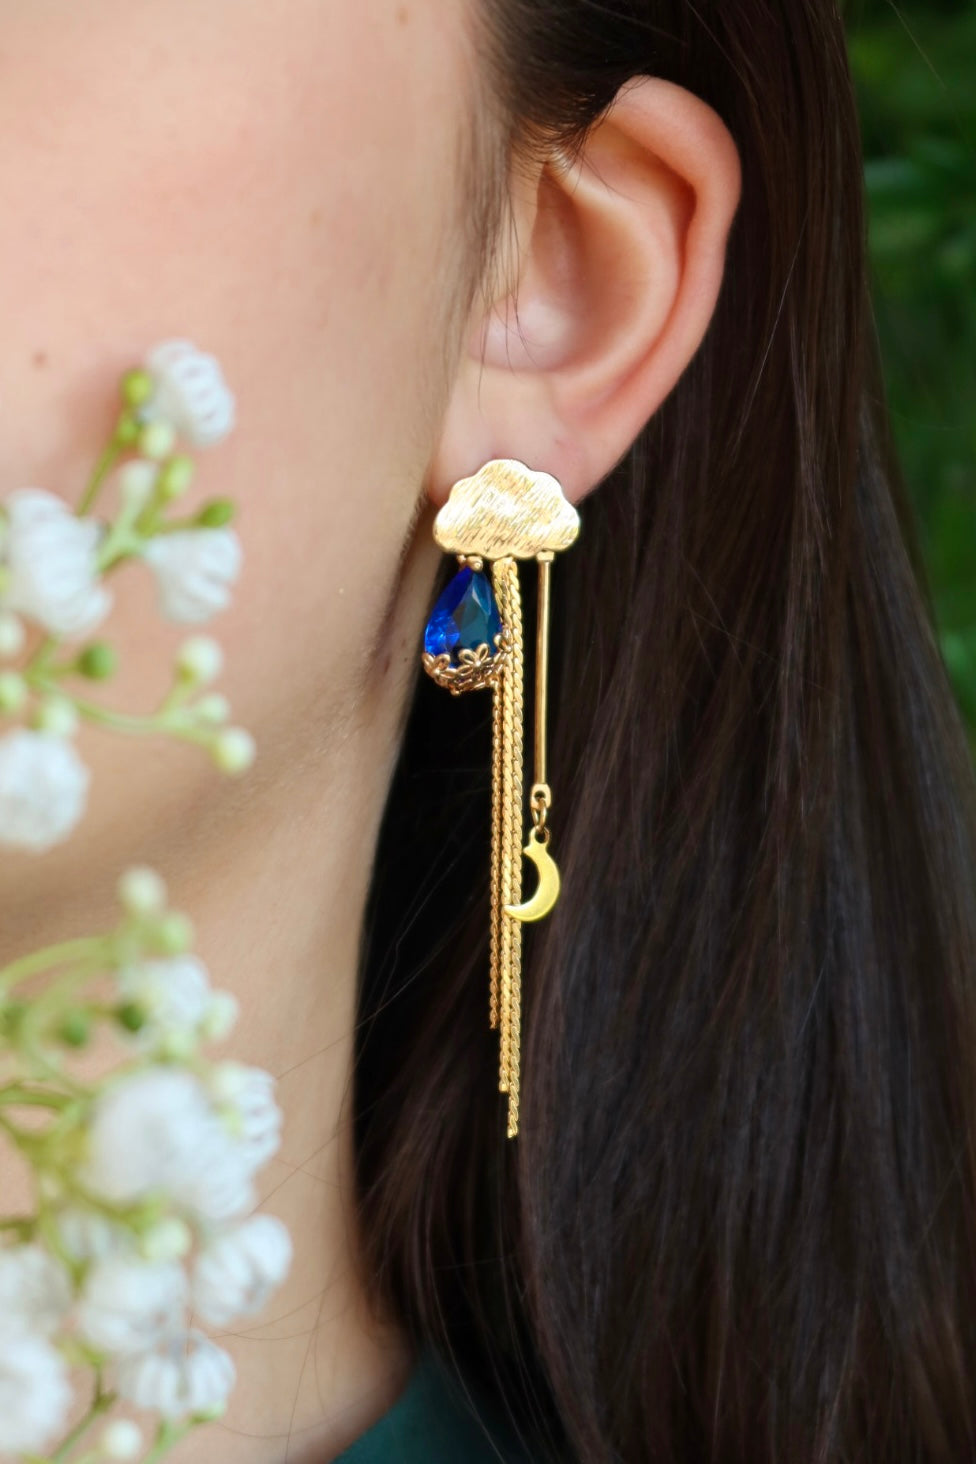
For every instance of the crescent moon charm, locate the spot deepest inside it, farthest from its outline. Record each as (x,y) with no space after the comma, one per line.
(547,891)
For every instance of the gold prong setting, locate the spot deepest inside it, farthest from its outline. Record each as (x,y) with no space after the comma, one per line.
(471,670)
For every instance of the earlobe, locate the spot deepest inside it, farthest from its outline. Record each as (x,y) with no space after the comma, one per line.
(621,261)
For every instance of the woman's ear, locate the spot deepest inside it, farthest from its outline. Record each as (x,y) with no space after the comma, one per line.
(607,293)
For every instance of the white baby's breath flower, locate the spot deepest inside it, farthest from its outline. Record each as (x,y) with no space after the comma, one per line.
(157,1131)
(87,1235)
(236,1273)
(35,1291)
(223,1189)
(190,393)
(145,1134)
(247,1102)
(130,1305)
(51,557)
(186,1376)
(174,994)
(194,569)
(43,789)
(35,1394)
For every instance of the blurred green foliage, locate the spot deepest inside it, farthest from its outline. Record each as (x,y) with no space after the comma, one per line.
(915,69)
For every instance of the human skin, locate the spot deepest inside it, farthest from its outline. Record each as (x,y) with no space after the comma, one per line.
(284,186)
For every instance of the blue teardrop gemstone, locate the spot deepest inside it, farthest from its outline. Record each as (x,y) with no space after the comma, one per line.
(465,617)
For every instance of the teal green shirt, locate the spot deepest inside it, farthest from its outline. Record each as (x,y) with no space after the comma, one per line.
(430,1424)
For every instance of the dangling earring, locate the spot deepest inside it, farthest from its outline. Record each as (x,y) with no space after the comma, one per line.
(474,640)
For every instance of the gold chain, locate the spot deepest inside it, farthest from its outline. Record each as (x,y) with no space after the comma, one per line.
(497,696)
(500,574)
(510,881)
(518,715)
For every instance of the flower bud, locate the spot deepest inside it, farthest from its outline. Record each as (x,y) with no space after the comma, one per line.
(142,891)
(130,1016)
(127,429)
(216,514)
(75,1028)
(56,714)
(220,1016)
(175,477)
(212,709)
(234,750)
(13,691)
(137,484)
(98,661)
(177,1046)
(121,1440)
(173,934)
(201,659)
(136,387)
(12,634)
(12,1014)
(168,1240)
(157,440)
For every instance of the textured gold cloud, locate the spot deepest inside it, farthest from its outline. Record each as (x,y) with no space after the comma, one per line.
(506,509)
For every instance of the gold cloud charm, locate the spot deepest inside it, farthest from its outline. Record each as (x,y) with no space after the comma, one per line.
(505,511)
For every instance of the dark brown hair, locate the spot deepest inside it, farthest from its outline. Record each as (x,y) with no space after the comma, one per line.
(738,1223)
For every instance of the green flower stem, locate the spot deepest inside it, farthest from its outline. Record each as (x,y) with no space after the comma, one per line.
(101,1403)
(24,1227)
(28,1144)
(160,723)
(53,1239)
(167,1437)
(110,456)
(82,949)
(40,662)
(172,525)
(178,696)
(67,1119)
(15,1095)
(46,1009)
(150,520)
(120,543)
